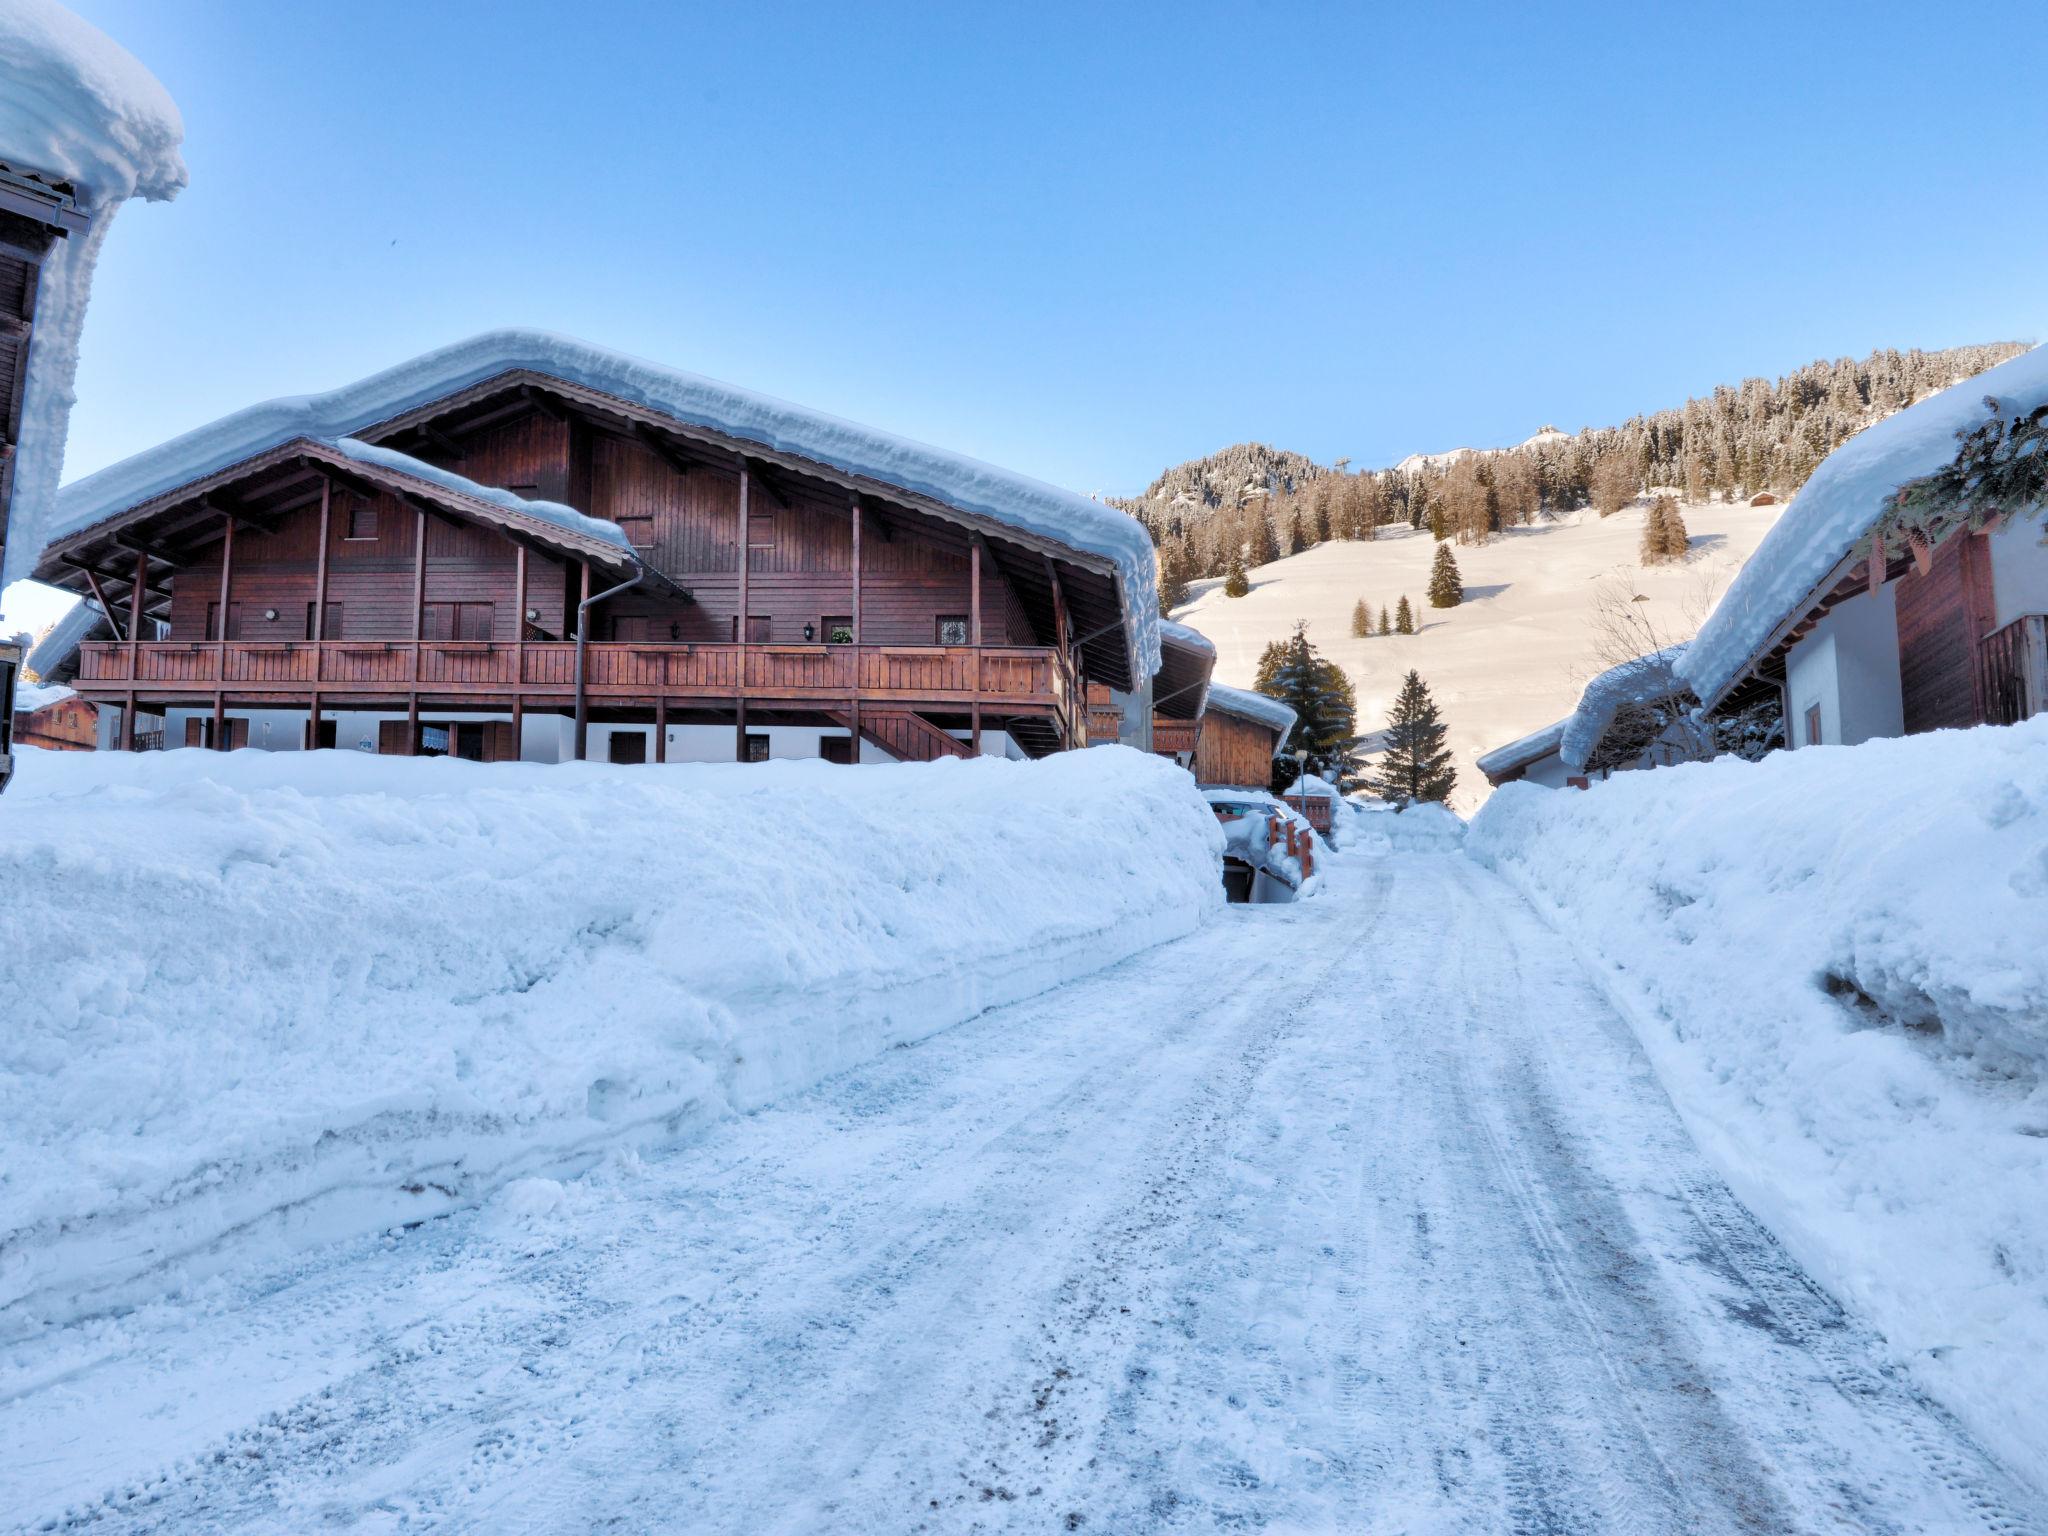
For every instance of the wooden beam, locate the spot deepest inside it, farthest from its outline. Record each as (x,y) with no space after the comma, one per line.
(667,451)
(746,559)
(320,576)
(113,620)
(444,442)
(661,727)
(419,613)
(136,595)
(768,482)
(859,516)
(227,566)
(545,403)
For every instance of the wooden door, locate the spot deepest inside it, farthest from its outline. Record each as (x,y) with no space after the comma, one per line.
(836,749)
(627,747)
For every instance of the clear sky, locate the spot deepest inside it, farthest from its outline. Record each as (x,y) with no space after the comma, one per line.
(1088,241)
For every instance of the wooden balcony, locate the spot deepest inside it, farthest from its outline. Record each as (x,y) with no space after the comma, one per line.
(999,678)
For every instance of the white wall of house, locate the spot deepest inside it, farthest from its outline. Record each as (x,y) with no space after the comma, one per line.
(1849,666)
(544,738)
(1547,770)
(2019,570)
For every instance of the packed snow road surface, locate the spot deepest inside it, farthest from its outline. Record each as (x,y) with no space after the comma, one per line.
(1364,1214)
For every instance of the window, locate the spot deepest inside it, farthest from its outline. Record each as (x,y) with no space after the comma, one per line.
(761,530)
(757,748)
(1813,725)
(639,531)
(433,741)
(362,519)
(952,629)
(458,621)
(837,628)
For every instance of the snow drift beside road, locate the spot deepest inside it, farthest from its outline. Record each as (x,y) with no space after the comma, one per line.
(289,996)
(1835,959)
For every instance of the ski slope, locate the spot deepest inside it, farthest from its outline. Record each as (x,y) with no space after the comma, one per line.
(1264,1229)
(1513,656)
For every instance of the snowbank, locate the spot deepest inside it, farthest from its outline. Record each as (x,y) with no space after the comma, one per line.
(74,107)
(1424,827)
(1839,506)
(283,997)
(1026,504)
(1835,960)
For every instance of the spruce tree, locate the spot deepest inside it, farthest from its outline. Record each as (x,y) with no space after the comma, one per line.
(1235,583)
(1417,764)
(1386,624)
(1325,708)
(1404,618)
(1446,585)
(1173,580)
(1361,620)
(1265,542)
(1676,540)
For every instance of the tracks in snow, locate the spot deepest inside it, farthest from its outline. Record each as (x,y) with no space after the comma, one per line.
(1364,1214)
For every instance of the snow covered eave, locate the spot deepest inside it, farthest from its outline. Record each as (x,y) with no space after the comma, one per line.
(374,470)
(1187,657)
(1632,682)
(1106,545)
(1503,763)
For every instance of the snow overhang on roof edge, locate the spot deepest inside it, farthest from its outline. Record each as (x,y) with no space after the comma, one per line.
(1030,506)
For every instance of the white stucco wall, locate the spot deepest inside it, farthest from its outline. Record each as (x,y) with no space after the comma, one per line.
(2019,570)
(1849,665)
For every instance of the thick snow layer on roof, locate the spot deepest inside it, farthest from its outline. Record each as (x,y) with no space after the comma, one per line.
(1247,705)
(558,513)
(1833,959)
(1517,754)
(55,650)
(299,982)
(30,697)
(1183,636)
(1031,506)
(74,106)
(1839,506)
(1633,682)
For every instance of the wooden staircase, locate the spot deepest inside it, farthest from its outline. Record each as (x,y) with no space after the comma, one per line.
(906,735)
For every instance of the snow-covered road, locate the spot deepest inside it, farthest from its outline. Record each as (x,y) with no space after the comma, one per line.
(1361,1215)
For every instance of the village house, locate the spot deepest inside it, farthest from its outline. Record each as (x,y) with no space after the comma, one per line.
(1874,610)
(1629,717)
(523,546)
(1165,717)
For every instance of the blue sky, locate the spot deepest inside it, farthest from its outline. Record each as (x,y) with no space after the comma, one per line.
(1085,241)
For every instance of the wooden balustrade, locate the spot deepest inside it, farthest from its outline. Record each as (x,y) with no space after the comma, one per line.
(999,677)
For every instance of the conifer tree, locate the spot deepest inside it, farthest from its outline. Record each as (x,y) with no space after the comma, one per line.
(1325,708)
(1361,620)
(1664,535)
(1404,617)
(1386,624)
(1235,583)
(1417,764)
(1446,585)
(1297,532)
(1265,542)
(1173,580)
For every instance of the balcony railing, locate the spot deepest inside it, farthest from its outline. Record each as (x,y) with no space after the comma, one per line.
(2013,670)
(996,676)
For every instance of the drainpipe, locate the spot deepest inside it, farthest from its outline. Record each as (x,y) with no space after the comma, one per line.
(583,640)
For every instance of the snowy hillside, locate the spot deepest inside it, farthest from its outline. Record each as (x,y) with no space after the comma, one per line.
(1513,656)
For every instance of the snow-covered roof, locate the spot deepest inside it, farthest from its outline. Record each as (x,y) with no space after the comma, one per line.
(75,106)
(1837,508)
(1183,635)
(30,697)
(562,516)
(1028,505)
(1632,682)
(54,651)
(1256,707)
(1521,753)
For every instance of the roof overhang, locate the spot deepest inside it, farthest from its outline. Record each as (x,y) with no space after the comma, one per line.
(1180,688)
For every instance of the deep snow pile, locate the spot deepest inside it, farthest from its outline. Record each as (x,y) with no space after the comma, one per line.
(294,995)
(74,106)
(1835,958)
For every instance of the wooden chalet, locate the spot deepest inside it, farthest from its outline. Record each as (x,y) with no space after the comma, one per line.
(1855,632)
(1166,717)
(55,719)
(1242,732)
(526,547)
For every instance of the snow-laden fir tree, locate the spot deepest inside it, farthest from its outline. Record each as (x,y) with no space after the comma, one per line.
(1386,623)
(1416,764)
(1235,583)
(1446,584)
(1404,617)
(1325,708)
(1361,620)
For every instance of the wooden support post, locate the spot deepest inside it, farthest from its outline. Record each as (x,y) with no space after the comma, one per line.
(220,718)
(313,724)
(857,520)
(113,618)
(136,599)
(412,723)
(128,724)
(661,728)
(518,725)
(974,630)
(419,597)
(739,750)
(519,634)
(227,566)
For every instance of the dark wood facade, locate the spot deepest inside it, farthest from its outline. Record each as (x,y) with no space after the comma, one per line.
(1234,752)
(1942,616)
(753,589)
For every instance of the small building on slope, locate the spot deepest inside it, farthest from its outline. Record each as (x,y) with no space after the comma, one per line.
(1242,732)
(1634,715)
(1904,588)
(526,546)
